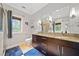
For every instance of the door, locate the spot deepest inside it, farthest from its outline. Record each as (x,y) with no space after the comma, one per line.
(3,30)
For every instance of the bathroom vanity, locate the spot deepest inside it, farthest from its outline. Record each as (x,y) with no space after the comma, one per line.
(56,44)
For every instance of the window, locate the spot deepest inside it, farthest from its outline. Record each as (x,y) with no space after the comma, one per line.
(16,24)
(57,27)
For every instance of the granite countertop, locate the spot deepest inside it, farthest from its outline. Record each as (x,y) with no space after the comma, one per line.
(61,36)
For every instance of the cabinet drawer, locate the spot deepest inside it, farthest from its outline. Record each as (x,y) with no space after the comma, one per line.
(54,41)
(44,38)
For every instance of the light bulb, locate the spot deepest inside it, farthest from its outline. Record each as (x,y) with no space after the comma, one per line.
(39,21)
(50,18)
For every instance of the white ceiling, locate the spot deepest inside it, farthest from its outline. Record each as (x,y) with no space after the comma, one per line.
(29,8)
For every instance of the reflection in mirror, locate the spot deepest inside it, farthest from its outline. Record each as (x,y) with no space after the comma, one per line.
(46,24)
(39,25)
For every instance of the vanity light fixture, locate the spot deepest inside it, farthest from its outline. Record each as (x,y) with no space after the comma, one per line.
(39,22)
(72,13)
(50,18)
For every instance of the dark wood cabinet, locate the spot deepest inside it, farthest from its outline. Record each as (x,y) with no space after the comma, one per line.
(55,47)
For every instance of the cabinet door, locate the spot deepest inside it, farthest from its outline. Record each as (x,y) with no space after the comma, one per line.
(35,41)
(43,48)
(68,51)
(43,45)
(53,49)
